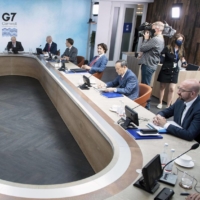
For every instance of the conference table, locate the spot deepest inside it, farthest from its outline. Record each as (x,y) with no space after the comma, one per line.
(112,152)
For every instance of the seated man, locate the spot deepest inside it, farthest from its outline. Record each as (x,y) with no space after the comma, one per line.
(186,112)
(98,63)
(50,46)
(71,52)
(126,81)
(14,45)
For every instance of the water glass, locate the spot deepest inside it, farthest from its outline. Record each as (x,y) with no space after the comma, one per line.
(187,181)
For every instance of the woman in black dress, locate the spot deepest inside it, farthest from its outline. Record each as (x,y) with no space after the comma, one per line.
(169,71)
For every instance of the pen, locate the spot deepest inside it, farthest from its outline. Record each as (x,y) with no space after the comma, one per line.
(184,194)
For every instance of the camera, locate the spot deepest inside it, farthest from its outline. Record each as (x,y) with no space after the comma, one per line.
(145,27)
(167,31)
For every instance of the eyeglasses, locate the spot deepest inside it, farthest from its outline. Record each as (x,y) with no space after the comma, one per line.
(182,90)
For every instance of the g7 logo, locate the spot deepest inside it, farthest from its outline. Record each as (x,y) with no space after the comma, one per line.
(6,16)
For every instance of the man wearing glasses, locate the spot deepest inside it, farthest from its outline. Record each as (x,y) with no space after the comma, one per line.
(186,112)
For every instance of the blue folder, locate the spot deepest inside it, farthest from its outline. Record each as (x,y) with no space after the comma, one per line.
(134,133)
(111,94)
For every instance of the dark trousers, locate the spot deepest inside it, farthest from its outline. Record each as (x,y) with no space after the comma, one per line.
(146,74)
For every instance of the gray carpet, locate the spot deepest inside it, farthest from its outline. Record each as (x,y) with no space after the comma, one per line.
(35,145)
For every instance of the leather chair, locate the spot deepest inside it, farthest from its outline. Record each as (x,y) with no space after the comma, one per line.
(144,94)
(80,60)
(98,75)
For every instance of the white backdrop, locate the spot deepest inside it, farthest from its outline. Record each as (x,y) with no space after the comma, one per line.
(34,20)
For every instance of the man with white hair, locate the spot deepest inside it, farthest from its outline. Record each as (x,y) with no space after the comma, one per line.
(151,47)
(14,45)
(50,46)
(186,112)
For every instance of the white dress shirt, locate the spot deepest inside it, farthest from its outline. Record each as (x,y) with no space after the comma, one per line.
(188,105)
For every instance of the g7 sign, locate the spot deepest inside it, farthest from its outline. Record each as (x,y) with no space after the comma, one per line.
(7,16)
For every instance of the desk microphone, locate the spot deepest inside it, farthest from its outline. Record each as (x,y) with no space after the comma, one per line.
(141,104)
(171,178)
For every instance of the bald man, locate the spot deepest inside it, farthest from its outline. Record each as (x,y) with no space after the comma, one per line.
(186,112)
(50,46)
(14,45)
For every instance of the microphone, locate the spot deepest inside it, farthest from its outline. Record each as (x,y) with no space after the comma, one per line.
(171,178)
(142,104)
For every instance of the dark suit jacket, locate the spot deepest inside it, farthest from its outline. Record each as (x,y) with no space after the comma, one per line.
(19,46)
(72,54)
(53,48)
(99,65)
(191,123)
(128,85)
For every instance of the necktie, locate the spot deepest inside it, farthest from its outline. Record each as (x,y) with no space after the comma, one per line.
(49,47)
(182,110)
(95,60)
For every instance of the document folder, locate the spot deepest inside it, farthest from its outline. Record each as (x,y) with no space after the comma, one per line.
(111,94)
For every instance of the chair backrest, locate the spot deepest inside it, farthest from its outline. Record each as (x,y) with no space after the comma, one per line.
(144,94)
(80,60)
(98,75)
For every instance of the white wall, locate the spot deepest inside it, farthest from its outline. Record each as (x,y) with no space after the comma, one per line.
(104,21)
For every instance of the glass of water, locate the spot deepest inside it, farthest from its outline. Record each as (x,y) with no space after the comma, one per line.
(187,181)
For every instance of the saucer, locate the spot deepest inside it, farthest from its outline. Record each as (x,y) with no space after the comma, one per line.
(185,161)
(114,108)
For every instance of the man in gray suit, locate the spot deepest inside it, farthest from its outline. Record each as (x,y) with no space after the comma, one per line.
(71,52)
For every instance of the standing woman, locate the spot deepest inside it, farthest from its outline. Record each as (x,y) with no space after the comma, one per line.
(169,71)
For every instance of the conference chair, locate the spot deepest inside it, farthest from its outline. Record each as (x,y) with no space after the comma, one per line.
(144,94)
(80,60)
(98,75)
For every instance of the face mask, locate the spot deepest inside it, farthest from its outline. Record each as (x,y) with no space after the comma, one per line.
(179,43)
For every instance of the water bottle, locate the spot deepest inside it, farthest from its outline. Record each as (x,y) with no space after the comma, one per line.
(164,156)
(121,110)
(169,167)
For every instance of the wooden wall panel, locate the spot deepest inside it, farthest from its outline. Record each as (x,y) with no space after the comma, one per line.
(188,24)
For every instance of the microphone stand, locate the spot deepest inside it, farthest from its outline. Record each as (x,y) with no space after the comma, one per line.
(171,178)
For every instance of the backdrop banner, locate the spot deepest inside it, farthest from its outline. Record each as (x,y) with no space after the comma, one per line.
(32,21)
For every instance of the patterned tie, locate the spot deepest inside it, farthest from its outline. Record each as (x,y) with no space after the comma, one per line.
(95,60)
(49,47)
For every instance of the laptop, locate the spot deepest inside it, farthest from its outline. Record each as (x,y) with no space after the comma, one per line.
(15,50)
(78,70)
(39,51)
(191,67)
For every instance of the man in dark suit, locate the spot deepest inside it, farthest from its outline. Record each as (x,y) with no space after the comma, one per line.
(71,52)
(50,46)
(186,112)
(125,83)
(98,63)
(14,45)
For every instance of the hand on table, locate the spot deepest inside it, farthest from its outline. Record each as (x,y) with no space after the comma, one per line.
(109,89)
(102,85)
(65,58)
(158,120)
(195,196)
(86,67)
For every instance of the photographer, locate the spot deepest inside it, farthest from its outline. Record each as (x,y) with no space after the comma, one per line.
(151,48)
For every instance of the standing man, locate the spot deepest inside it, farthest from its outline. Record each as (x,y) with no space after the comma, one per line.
(50,46)
(71,52)
(125,83)
(151,48)
(186,112)
(99,62)
(14,44)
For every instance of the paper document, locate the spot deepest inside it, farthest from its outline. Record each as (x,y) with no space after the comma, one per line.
(161,129)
